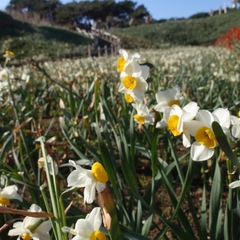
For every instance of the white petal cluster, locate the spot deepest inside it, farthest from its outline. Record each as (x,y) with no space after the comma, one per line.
(22,229)
(181,119)
(137,72)
(10,192)
(143,115)
(80,178)
(88,228)
(167,98)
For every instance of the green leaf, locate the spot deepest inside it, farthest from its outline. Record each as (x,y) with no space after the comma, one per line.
(67,193)
(224,144)
(215,206)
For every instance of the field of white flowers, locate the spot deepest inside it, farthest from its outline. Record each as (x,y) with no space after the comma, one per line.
(91,149)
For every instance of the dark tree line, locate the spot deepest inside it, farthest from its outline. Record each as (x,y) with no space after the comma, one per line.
(78,12)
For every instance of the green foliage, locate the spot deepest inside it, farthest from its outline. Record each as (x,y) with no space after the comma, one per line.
(67,14)
(202,31)
(199,15)
(31,41)
(76,107)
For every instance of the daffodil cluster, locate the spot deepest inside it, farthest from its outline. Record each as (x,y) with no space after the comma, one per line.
(32,227)
(92,181)
(134,85)
(193,123)
(88,228)
(10,82)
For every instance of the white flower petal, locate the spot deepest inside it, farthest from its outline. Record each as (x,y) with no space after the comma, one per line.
(76,179)
(205,117)
(39,236)
(200,153)
(142,85)
(235,184)
(190,111)
(89,193)
(175,110)
(10,192)
(222,116)
(17,229)
(80,238)
(236,131)
(95,218)
(123,54)
(100,186)
(145,71)
(84,228)
(234,120)
(192,126)
(132,68)
(161,124)
(186,139)
(44,228)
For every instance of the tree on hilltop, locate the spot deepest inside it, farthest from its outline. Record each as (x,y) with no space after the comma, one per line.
(70,13)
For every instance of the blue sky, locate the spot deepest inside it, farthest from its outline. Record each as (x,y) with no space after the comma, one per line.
(170,8)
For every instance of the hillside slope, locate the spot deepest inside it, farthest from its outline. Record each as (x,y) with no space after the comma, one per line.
(27,40)
(200,31)
(38,42)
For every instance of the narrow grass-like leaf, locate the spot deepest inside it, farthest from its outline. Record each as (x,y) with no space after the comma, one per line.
(131,235)
(215,205)
(204,208)
(65,133)
(171,193)
(224,144)
(180,233)
(6,146)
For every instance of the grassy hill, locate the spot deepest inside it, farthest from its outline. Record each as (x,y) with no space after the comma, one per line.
(199,31)
(27,40)
(39,42)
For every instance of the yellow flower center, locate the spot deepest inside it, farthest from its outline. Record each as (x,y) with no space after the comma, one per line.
(174,102)
(139,119)
(4,77)
(205,136)
(97,235)
(173,125)
(128,98)
(4,202)
(129,82)
(26,236)
(37,146)
(99,172)
(238,113)
(121,63)
(40,164)
(9,53)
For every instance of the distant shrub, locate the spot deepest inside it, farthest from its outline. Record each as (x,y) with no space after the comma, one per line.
(199,15)
(162,20)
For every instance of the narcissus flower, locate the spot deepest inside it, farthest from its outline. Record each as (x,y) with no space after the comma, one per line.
(91,180)
(124,58)
(50,164)
(88,228)
(176,119)
(5,74)
(203,148)
(8,193)
(8,55)
(133,79)
(32,227)
(168,98)
(143,115)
